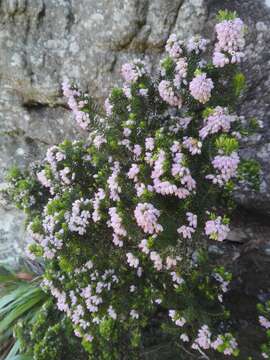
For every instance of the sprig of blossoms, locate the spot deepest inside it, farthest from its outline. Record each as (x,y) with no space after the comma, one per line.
(131,72)
(200,87)
(197,44)
(174,46)
(116,223)
(231,41)
(218,120)
(168,94)
(79,217)
(76,106)
(217,229)
(147,216)
(226,167)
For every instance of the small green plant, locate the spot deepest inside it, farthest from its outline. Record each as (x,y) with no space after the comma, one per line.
(21,300)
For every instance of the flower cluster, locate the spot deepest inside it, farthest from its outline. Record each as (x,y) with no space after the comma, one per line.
(72,95)
(167,93)
(226,166)
(197,44)
(147,216)
(116,223)
(131,72)
(218,120)
(227,342)
(217,229)
(187,231)
(79,217)
(200,88)
(231,41)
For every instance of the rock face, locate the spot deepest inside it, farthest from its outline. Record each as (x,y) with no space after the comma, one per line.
(43,42)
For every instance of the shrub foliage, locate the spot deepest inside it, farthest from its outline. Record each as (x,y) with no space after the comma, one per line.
(123,218)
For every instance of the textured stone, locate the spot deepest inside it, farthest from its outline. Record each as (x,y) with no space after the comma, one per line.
(43,42)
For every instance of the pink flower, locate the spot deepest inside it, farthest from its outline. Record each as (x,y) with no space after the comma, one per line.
(200,88)
(226,165)
(264,322)
(170,262)
(114,187)
(186,231)
(72,96)
(132,260)
(133,172)
(219,120)
(131,72)
(108,107)
(179,321)
(143,92)
(192,219)
(42,178)
(146,216)
(194,146)
(230,36)
(137,150)
(79,217)
(99,140)
(155,257)
(180,72)
(63,175)
(177,279)
(174,46)
(167,93)
(219,59)
(99,196)
(126,132)
(216,230)
(203,339)
(112,312)
(143,246)
(184,337)
(116,224)
(149,143)
(127,91)
(197,44)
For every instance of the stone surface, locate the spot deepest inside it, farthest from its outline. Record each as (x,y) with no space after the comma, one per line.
(43,42)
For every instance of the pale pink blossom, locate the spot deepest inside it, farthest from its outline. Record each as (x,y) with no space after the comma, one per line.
(174,46)
(226,168)
(219,120)
(131,72)
(264,322)
(132,260)
(200,88)
(147,216)
(197,44)
(167,93)
(230,44)
(216,229)
(193,145)
(155,257)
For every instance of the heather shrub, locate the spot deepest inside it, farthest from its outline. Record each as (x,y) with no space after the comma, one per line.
(123,219)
